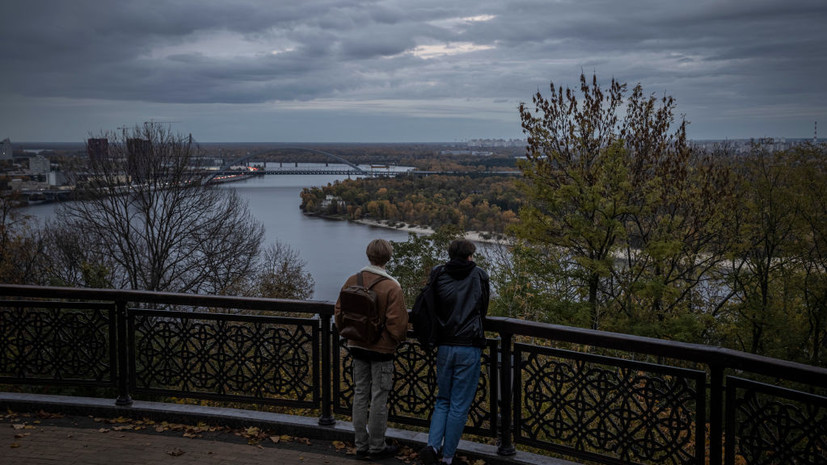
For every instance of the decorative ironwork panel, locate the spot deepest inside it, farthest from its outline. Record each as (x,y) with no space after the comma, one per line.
(608,409)
(414,387)
(257,359)
(57,342)
(772,425)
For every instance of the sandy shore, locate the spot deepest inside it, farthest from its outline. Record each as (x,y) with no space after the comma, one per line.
(476,236)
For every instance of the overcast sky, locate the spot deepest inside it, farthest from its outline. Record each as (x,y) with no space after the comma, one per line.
(399,70)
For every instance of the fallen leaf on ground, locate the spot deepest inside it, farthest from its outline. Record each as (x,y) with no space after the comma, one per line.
(175,452)
(275,439)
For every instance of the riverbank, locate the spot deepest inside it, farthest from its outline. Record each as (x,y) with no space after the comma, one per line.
(475,236)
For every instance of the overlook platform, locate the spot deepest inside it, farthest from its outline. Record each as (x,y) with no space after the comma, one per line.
(575,393)
(48,429)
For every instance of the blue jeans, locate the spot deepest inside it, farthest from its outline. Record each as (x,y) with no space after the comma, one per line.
(373,382)
(457,375)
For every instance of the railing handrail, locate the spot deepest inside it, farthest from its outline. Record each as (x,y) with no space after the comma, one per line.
(711,355)
(509,362)
(198,300)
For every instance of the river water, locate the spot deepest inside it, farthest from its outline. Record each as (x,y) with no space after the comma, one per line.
(332,249)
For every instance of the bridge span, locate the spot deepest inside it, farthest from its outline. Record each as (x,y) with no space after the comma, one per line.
(237,173)
(227,169)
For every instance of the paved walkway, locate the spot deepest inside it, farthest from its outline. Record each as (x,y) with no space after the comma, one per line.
(48,439)
(41,429)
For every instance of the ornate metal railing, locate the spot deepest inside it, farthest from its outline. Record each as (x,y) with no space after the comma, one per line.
(591,395)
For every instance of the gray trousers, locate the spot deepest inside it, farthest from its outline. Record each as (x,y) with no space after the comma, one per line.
(373,382)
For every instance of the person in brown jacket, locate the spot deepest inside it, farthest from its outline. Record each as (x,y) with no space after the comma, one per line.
(373,363)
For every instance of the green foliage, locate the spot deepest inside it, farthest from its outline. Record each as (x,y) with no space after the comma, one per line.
(636,217)
(777,267)
(20,246)
(414,259)
(281,275)
(96,275)
(588,172)
(471,203)
(535,283)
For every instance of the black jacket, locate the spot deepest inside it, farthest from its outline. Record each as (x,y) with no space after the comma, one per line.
(462,293)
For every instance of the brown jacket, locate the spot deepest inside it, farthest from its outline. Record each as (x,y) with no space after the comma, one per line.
(391,299)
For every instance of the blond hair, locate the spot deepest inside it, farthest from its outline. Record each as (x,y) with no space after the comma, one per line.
(379,252)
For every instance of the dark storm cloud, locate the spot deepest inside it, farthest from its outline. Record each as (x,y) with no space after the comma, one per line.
(731,54)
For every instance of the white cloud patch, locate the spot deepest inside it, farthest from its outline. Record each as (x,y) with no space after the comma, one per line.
(450,49)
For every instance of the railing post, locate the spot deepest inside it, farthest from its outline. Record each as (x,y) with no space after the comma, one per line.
(716,415)
(327,369)
(506,447)
(124,399)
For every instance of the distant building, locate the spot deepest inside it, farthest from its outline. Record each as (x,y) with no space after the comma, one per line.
(6,150)
(476,153)
(138,152)
(57,178)
(496,143)
(39,164)
(97,149)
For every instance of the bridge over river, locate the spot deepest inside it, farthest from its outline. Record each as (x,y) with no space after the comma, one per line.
(232,169)
(236,168)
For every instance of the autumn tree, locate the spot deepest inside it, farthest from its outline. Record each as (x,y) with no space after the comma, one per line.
(74,259)
(520,274)
(813,249)
(622,196)
(777,266)
(163,227)
(575,179)
(281,274)
(413,260)
(674,223)
(20,245)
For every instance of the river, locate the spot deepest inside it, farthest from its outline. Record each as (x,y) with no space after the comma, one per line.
(332,249)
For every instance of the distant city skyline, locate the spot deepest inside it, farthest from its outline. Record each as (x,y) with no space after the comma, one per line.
(393,71)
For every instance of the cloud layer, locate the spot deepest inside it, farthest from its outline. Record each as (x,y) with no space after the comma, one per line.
(393,70)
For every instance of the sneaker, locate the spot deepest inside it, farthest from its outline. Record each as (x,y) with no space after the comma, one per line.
(362,454)
(389,451)
(427,455)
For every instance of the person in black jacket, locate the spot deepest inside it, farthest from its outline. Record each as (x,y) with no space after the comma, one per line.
(462,293)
